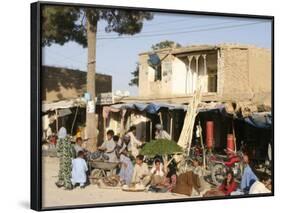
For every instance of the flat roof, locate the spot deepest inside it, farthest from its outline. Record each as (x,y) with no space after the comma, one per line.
(202,47)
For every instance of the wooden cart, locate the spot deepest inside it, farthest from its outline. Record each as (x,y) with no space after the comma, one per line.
(98,169)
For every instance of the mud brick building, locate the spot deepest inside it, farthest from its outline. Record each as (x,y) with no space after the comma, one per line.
(230,72)
(63,83)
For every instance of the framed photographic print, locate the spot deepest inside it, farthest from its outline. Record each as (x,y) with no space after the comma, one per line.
(144,105)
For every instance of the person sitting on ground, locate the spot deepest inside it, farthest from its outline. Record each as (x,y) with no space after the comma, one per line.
(126,170)
(248,177)
(161,133)
(141,173)
(226,188)
(198,170)
(108,147)
(134,142)
(170,179)
(263,185)
(79,169)
(158,173)
(229,185)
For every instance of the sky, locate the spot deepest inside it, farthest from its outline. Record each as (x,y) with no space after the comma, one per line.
(117,55)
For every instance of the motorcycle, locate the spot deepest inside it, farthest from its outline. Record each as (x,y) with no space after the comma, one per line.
(220,164)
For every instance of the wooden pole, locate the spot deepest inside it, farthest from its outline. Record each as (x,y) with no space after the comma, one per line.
(57,121)
(202,145)
(161,119)
(150,129)
(74,119)
(234,137)
(91,121)
(171,125)
(104,128)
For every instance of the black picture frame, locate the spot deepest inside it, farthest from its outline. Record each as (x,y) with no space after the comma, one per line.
(36,78)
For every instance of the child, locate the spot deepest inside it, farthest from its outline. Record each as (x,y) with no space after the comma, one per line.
(79,169)
(78,145)
(108,147)
(158,173)
(141,173)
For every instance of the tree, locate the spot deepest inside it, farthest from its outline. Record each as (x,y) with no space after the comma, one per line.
(135,74)
(162,147)
(161,45)
(62,24)
(165,44)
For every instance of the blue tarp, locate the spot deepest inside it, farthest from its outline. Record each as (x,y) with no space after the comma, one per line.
(259,120)
(151,108)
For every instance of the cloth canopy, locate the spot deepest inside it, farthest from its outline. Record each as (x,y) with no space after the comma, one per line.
(62,105)
(217,108)
(259,120)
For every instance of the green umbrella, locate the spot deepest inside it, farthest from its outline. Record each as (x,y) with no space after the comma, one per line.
(162,147)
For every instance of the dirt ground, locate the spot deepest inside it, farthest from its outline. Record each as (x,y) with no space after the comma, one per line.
(92,194)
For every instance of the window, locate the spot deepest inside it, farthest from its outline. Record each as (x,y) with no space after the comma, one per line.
(166,70)
(158,73)
(212,81)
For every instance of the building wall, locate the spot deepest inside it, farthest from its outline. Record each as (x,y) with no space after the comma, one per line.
(244,73)
(62,83)
(179,78)
(234,75)
(260,74)
(146,74)
(148,87)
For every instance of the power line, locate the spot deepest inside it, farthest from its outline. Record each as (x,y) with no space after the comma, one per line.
(182,32)
(73,61)
(70,58)
(180,26)
(160,23)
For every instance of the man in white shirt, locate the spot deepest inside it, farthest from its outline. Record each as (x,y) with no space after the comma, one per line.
(263,185)
(161,133)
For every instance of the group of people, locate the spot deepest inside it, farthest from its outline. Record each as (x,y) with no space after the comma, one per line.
(133,170)
(250,182)
(73,167)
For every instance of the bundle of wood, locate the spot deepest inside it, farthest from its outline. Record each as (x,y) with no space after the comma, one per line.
(189,120)
(112,180)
